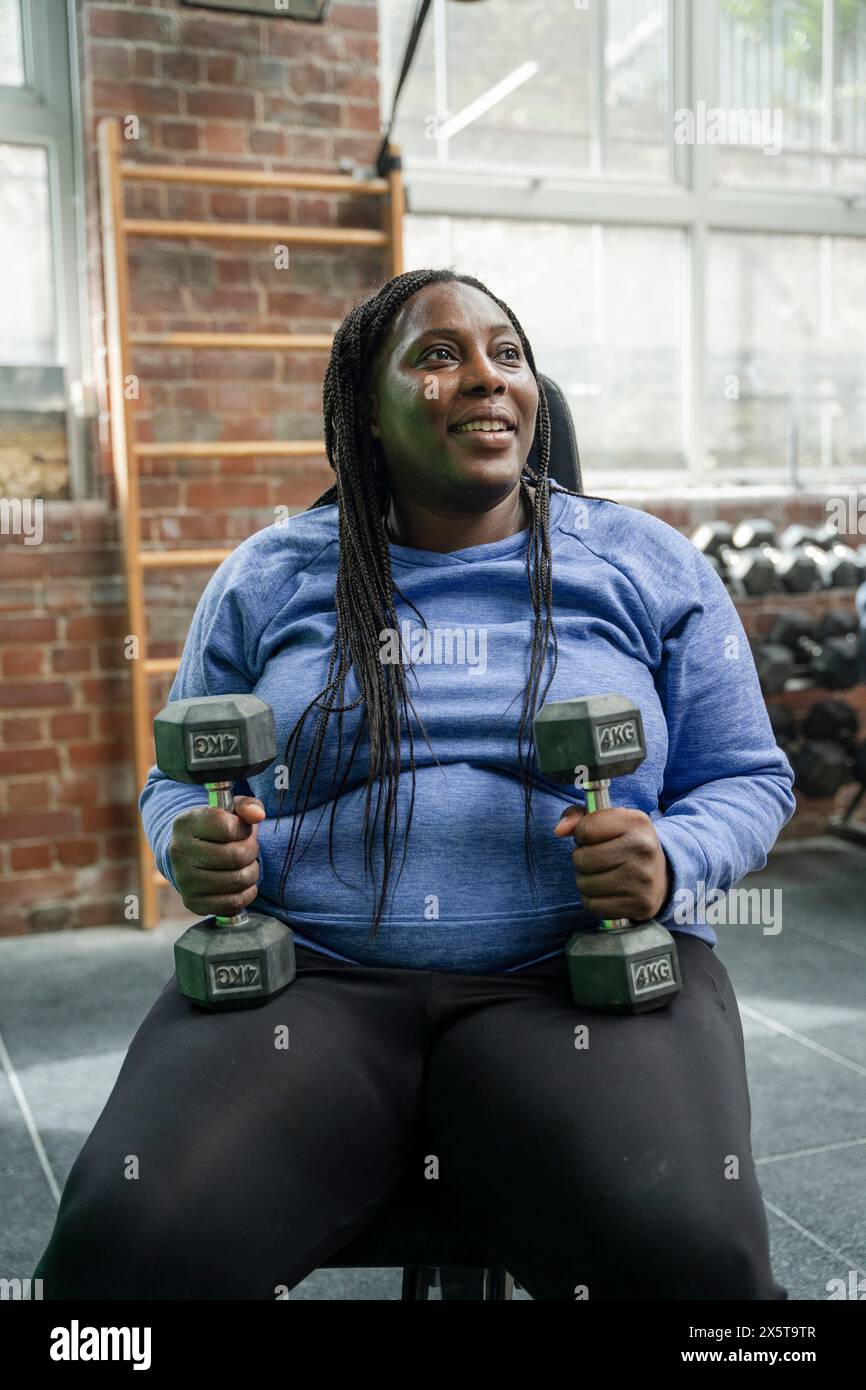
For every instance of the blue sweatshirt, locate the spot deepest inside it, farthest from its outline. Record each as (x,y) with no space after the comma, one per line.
(638,610)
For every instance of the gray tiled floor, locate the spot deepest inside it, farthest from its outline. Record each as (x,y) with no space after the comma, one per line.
(71,1001)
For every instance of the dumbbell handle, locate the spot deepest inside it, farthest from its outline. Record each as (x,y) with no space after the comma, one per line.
(221,796)
(598,799)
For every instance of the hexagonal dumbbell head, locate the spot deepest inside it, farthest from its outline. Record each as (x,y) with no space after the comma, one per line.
(603,733)
(710,536)
(796,569)
(237,967)
(751,571)
(214,738)
(796,535)
(755,531)
(630,971)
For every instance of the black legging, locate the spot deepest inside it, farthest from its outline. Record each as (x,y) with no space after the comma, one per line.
(607,1167)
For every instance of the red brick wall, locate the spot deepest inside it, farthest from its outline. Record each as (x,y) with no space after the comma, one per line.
(244,92)
(207,88)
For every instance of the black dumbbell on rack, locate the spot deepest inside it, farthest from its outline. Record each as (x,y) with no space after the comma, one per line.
(776,667)
(835,723)
(750,561)
(846,622)
(783,723)
(840,566)
(795,569)
(709,538)
(830,540)
(747,570)
(830,659)
(820,756)
(832,719)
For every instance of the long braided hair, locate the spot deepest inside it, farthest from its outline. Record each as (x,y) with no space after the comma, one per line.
(365,587)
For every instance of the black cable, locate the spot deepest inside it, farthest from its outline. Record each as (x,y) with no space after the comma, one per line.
(385,162)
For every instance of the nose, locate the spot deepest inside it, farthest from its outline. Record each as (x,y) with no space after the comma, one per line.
(481,374)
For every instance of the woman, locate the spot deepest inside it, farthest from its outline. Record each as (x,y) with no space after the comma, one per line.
(620,1169)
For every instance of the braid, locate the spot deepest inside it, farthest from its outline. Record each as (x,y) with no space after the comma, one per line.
(365,587)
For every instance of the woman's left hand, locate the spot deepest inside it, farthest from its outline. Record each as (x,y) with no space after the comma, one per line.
(619,865)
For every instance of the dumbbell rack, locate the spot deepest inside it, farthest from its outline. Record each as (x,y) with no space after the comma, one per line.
(115,173)
(762,611)
(846,829)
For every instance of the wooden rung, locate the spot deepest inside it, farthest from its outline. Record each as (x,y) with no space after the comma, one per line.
(161,665)
(255,178)
(186,559)
(291,342)
(255,231)
(231,448)
(115,170)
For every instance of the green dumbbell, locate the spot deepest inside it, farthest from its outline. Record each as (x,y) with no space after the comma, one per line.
(214,741)
(622,967)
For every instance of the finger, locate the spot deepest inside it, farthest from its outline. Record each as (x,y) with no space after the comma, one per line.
(213,882)
(249,808)
(598,826)
(602,884)
(219,826)
(597,859)
(631,898)
(569,818)
(609,909)
(223,857)
(221,904)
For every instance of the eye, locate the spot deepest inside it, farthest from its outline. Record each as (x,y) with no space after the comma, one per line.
(509,348)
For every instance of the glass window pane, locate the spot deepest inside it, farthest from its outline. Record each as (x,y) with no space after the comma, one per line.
(850,94)
(519,86)
(602,308)
(547,118)
(786,324)
(636,87)
(27,326)
(845,402)
(11,51)
(772,63)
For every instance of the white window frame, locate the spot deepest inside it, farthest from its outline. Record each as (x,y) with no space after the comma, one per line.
(692,202)
(45,111)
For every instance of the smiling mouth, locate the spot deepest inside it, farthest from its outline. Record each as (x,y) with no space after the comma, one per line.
(483,427)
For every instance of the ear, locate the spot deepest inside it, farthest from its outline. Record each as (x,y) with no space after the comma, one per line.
(373,408)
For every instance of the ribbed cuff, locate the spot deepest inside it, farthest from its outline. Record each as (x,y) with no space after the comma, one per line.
(689,868)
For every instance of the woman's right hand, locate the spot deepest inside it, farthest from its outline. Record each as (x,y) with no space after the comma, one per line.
(214,855)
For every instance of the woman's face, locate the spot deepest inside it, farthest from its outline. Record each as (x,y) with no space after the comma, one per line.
(451,356)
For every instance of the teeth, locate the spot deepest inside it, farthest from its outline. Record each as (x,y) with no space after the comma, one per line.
(486,425)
